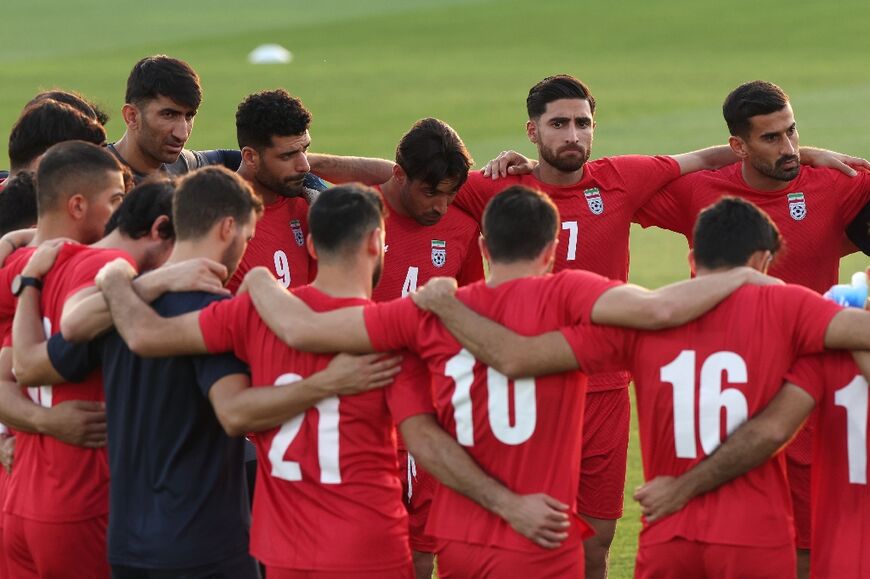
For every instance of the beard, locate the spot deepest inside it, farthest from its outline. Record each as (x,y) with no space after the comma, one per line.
(776,171)
(565,164)
(232,256)
(292,186)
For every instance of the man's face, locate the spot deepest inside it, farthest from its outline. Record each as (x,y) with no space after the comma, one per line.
(772,145)
(236,249)
(563,134)
(164,127)
(101,204)
(283,166)
(427,204)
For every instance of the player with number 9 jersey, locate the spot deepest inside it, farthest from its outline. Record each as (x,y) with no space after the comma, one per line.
(695,384)
(840,494)
(327,497)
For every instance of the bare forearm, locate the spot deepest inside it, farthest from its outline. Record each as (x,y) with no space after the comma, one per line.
(339,169)
(18,411)
(30,355)
(87,319)
(693,298)
(259,409)
(710,158)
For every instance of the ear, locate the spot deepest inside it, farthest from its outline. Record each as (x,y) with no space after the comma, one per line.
(484,250)
(131,115)
(309,245)
(154,233)
(250,158)
(738,145)
(399,174)
(227,228)
(77,207)
(532,131)
(691,259)
(760,260)
(375,242)
(548,255)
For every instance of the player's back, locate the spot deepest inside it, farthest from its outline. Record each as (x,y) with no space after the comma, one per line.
(11,268)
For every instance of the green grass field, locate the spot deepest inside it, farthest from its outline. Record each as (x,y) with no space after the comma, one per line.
(368,69)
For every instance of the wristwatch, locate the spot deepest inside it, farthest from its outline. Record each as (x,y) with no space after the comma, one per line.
(19,282)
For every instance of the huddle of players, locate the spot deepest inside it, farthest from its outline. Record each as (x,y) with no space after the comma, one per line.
(327,498)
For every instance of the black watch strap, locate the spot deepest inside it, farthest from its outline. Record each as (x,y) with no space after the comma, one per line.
(19,282)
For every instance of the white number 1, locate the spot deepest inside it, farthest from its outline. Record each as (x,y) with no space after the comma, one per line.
(571,226)
(853,397)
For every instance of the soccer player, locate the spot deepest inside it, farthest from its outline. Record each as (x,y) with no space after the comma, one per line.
(335,511)
(425,238)
(519,240)
(679,370)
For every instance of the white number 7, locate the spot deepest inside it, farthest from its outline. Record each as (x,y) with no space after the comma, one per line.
(571,226)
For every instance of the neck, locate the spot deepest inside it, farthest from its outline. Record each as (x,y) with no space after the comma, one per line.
(116,240)
(546,173)
(759,181)
(500,273)
(266,195)
(344,279)
(135,157)
(192,249)
(53,227)
(391,190)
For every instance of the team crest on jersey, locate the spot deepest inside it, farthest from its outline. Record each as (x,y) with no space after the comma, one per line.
(594,200)
(439,253)
(797,206)
(296,226)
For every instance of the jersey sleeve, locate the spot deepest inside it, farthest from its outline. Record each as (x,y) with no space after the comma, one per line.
(810,316)
(393,325)
(410,393)
(472,267)
(225,324)
(670,208)
(808,373)
(599,348)
(87,269)
(74,361)
(475,193)
(643,176)
(578,291)
(211,368)
(854,193)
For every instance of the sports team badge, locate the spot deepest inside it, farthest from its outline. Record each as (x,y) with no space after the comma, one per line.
(594,200)
(797,206)
(439,253)
(296,226)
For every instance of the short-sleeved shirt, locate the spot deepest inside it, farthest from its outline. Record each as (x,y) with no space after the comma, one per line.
(53,481)
(178,497)
(595,213)
(328,496)
(811,213)
(279,244)
(525,433)
(841,497)
(414,253)
(698,382)
(11,268)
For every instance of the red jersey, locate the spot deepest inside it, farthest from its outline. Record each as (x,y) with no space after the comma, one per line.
(327,496)
(812,213)
(840,495)
(279,244)
(595,213)
(526,433)
(11,267)
(53,481)
(698,382)
(414,253)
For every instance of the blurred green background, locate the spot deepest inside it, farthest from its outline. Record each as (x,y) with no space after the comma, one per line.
(368,69)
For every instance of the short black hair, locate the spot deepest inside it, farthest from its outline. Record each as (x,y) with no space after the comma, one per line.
(432,152)
(141,207)
(70,168)
(748,100)
(518,223)
(265,114)
(46,123)
(343,216)
(18,202)
(728,232)
(75,100)
(553,88)
(160,75)
(206,196)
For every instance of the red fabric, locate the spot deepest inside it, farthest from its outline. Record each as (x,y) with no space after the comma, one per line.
(679,559)
(420,485)
(757,331)
(346,516)
(404,572)
(11,267)
(279,242)
(58,550)
(458,560)
(53,481)
(535,443)
(605,451)
(811,251)
(840,495)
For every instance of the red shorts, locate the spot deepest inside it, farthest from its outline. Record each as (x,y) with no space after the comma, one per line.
(418,488)
(679,558)
(406,572)
(55,550)
(605,452)
(458,560)
(798,463)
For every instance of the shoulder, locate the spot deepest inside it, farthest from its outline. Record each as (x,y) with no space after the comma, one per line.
(178,303)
